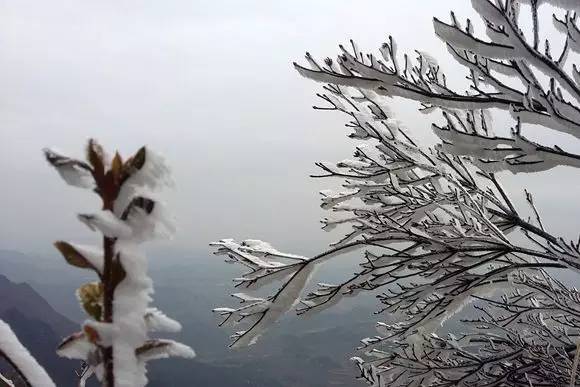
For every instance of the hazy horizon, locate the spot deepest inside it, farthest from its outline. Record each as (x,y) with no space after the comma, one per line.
(209,85)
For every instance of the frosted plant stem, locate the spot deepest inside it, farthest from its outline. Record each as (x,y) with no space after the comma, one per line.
(108,309)
(114,342)
(108,294)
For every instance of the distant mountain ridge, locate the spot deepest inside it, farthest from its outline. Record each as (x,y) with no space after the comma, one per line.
(297,352)
(23,298)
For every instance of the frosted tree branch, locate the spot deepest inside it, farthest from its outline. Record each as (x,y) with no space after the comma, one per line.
(438,233)
(507,53)
(26,367)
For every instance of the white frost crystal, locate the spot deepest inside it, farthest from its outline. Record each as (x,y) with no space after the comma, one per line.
(11,349)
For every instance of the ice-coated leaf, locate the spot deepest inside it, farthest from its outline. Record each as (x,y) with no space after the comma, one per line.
(74,172)
(18,356)
(75,346)
(107,223)
(84,257)
(162,348)
(157,321)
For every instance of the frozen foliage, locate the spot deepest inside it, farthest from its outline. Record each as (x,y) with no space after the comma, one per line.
(504,52)
(114,343)
(31,373)
(157,321)
(74,172)
(437,232)
(107,223)
(259,313)
(161,349)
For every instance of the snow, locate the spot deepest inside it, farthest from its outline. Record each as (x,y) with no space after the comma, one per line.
(86,376)
(461,40)
(76,346)
(161,349)
(133,318)
(107,223)
(12,349)
(147,226)
(243,297)
(563,4)
(285,299)
(131,299)
(223,310)
(258,246)
(73,172)
(92,254)
(105,332)
(356,164)
(153,175)
(137,217)
(442,200)
(229,246)
(157,321)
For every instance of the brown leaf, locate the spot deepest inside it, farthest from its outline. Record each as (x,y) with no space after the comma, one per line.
(95,155)
(134,164)
(152,344)
(73,257)
(117,166)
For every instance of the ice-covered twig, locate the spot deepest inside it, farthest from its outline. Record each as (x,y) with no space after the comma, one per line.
(439,231)
(26,367)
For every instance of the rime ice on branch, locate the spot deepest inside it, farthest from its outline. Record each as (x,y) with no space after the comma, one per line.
(25,366)
(114,341)
(436,230)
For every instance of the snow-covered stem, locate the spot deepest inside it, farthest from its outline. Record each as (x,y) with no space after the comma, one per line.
(443,223)
(26,367)
(114,342)
(108,297)
(7,382)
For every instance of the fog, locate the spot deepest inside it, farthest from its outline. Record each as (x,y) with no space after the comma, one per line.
(210,85)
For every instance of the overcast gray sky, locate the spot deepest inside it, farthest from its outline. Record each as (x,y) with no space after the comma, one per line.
(210,85)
